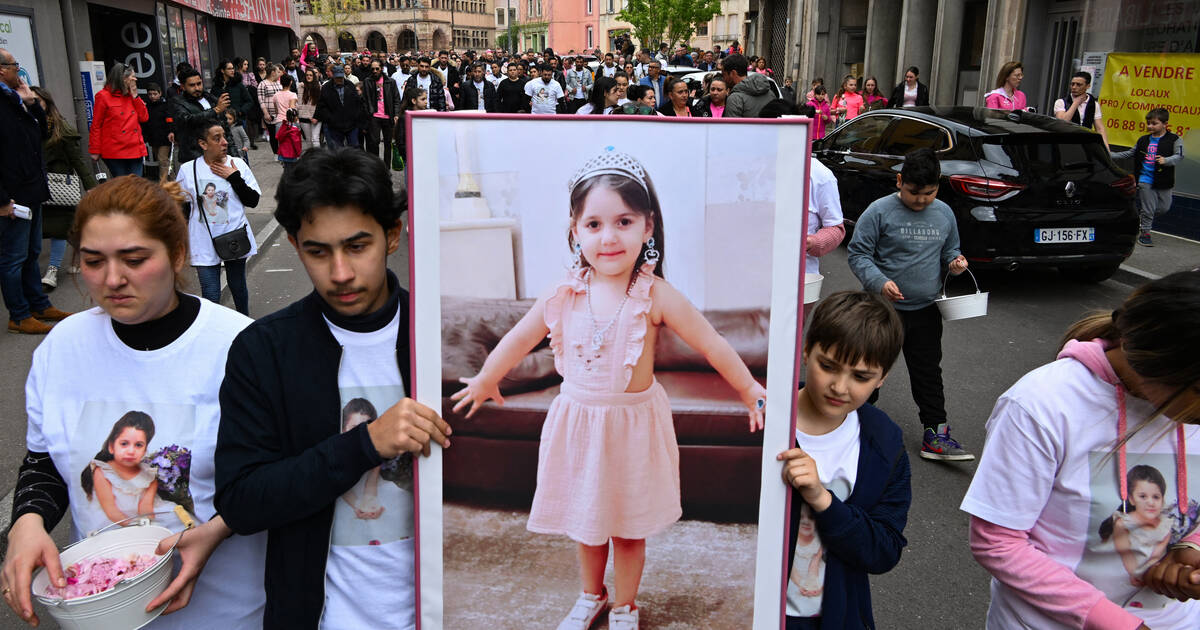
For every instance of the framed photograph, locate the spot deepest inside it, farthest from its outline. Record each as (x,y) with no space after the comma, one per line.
(604,310)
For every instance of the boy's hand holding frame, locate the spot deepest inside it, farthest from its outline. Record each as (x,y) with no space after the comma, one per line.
(800,472)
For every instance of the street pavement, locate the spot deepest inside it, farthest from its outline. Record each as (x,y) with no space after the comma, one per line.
(937,583)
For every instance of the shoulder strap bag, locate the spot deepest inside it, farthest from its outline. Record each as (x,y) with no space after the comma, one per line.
(230,245)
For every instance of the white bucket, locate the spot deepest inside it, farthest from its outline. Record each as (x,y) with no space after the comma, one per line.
(963,306)
(122,607)
(812,287)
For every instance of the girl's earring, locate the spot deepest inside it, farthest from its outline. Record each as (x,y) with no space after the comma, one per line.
(577,258)
(651,254)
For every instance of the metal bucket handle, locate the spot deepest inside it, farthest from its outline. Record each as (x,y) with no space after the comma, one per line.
(136,521)
(947,279)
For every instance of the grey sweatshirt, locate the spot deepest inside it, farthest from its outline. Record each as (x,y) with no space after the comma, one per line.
(912,249)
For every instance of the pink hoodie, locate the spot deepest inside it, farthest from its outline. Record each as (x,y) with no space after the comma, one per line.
(1052,587)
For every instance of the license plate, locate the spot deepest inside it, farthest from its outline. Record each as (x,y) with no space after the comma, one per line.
(1064,235)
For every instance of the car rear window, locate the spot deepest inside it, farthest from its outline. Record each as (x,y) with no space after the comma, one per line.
(907,134)
(1047,152)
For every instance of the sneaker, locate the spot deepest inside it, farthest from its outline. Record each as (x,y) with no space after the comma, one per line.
(52,314)
(623,618)
(50,280)
(585,611)
(942,447)
(1144,239)
(29,326)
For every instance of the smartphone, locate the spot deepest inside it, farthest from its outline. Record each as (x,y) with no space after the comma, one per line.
(22,212)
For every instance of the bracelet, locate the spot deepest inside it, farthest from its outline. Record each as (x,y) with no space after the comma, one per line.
(1185,544)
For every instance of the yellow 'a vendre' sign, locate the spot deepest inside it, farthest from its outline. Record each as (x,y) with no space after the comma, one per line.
(1135,83)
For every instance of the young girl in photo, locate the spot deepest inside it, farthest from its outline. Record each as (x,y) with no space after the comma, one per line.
(363,498)
(808,567)
(1138,528)
(123,484)
(608,462)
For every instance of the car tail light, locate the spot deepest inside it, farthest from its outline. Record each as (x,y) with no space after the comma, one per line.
(1126,185)
(984,188)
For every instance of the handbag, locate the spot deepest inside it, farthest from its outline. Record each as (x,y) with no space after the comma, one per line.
(65,189)
(397,158)
(230,245)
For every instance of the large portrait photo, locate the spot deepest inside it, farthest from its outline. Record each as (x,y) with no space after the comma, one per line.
(610,308)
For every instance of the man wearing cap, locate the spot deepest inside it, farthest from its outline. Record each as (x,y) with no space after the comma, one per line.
(341,110)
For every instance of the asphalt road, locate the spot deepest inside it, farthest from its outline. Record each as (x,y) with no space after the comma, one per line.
(937,584)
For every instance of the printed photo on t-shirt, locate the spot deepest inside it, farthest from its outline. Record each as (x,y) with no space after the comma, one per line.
(379,508)
(214,202)
(806,581)
(1126,538)
(141,463)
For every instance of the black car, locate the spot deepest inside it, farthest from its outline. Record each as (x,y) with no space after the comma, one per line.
(1026,189)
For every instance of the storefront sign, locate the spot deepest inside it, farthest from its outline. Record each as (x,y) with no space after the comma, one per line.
(91,78)
(270,12)
(16,36)
(1135,83)
(132,39)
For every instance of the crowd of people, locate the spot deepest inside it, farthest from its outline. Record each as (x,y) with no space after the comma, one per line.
(268,463)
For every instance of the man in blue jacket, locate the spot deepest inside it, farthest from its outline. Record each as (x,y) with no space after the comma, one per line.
(654,78)
(318,431)
(849,471)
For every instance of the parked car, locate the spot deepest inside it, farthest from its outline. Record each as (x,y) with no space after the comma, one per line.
(1026,189)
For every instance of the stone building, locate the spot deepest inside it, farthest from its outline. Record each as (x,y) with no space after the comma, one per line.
(406,26)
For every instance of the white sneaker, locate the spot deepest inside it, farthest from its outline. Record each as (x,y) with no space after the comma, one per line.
(623,618)
(585,611)
(51,277)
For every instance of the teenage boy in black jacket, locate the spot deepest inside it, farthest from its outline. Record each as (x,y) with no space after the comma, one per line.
(318,432)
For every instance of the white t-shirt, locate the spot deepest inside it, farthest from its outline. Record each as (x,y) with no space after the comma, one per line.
(910,95)
(1049,467)
(423,82)
(543,96)
(400,78)
(824,206)
(219,204)
(1061,106)
(369,576)
(84,381)
(608,71)
(836,455)
(479,88)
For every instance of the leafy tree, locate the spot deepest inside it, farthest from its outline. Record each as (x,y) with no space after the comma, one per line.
(669,21)
(335,15)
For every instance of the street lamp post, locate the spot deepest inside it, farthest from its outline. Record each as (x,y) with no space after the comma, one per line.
(416,4)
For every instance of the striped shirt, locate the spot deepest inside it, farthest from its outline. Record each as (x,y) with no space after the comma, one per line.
(266,90)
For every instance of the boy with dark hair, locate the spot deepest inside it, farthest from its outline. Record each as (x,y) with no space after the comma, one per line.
(849,473)
(901,247)
(1155,156)
(335,497)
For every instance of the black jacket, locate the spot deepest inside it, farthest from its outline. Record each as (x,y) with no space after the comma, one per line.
(156,129)
(22,171)
(391,97)
(239,95)
(897,100)
(437,91)
(452,77)
(1164,175)
(186,116)
(281,460)
(510,96)
(470,96)
(342,115)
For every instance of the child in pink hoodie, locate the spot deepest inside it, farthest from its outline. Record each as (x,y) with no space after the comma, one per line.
(1076,437)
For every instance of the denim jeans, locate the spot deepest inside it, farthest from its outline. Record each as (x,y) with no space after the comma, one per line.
(235,273)
(132,166)
(336,138)
(20,278)
(58,251)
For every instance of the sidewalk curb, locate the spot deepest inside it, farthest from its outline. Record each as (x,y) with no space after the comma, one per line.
(1133,276)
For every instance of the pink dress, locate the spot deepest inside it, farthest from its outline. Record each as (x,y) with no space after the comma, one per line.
(608,463)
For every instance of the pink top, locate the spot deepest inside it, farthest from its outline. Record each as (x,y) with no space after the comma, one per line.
(572,329)
(822,115)
(283,101)
(379,111)
(998,99)
(853,102)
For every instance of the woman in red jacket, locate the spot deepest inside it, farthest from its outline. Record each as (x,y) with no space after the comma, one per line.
(116,132)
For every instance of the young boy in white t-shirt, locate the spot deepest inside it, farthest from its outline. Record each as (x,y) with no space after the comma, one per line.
(849,470)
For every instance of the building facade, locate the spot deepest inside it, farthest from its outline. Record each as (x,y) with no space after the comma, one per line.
(404,26)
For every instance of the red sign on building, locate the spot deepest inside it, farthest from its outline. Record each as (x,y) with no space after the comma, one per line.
(270,12)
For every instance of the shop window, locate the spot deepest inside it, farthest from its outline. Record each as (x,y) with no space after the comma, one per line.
(591,42)
(589,7)
(702,29)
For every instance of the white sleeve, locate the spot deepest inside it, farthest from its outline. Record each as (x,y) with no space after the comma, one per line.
(1060,106)
(1097,116)
(1017,470)
(529,91)
(829,204)
(247,174)
(35,440)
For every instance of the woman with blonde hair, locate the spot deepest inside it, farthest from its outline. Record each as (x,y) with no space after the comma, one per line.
(1006,95)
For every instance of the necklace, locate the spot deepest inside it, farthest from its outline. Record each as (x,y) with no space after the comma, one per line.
(597,332)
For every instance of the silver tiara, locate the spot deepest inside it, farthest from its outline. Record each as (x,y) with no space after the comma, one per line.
(610,162)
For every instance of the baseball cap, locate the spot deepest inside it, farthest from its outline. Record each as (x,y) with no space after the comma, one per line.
(339,71)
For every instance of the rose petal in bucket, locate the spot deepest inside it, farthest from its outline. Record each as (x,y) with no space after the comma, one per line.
(963,306)
(122,607)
